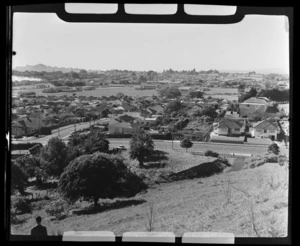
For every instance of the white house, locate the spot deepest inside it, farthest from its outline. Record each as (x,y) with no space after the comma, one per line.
(120,127)
(230,126)
(253,105)
(265,129)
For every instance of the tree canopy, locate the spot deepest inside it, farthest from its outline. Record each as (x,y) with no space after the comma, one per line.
(141,146)
(18,177)
(196,94)
(99,175)
(173,106)
(251,93)
(171,92)
(54,157)
(186,143)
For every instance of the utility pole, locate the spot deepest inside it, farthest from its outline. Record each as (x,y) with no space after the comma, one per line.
(40,126)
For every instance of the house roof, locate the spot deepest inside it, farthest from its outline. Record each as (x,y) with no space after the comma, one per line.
(266,124)
(115,123)
(260,100)
(156,108)
(272,110)
(231,123)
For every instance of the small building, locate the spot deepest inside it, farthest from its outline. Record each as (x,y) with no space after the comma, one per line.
(184,89)
(157,109)
(116,127)
(265,129)
(231,127)
(150,121)
(98,128)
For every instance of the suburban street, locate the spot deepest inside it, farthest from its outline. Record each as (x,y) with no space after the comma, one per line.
(246,148)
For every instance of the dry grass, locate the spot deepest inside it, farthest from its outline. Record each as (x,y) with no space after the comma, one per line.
(196,205)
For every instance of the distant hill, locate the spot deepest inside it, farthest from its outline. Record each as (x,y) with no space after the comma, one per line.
(45,68)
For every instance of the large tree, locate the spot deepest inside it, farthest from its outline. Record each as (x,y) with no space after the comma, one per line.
(18,177)
(99,175)
(251,93)
(54,157)
(171,92)
(141,146)
(173,106)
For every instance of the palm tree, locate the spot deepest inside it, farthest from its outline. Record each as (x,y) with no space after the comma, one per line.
(141,146)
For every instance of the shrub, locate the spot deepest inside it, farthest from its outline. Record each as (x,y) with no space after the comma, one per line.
(211,153)
(271,158)
(186,143)
(21,205)
(57,208)
(273,148)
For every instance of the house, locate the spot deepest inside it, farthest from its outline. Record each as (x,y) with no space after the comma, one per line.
(118,110)
(15,101)
(265,129)
(253,105)
(98,128)
(230,127)
(157,109)
(184,89)
(26,125)
(150,121)
(116,127)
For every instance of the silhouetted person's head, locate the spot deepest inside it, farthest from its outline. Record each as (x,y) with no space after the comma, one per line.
(38,220)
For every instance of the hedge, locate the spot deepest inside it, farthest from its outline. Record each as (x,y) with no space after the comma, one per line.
(158,136)
(23,146)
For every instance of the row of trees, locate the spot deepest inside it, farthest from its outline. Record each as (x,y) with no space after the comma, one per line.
(273,94)
(86,169)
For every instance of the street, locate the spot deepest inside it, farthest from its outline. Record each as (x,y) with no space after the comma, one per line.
(245,148)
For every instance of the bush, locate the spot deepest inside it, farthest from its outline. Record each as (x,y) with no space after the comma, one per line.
(211,153)
(21,205)
(23,146)
(58,209)
(273,148)
(271,158)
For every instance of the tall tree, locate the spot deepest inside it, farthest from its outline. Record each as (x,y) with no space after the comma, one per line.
(141,146)
(18,177)
(54,157)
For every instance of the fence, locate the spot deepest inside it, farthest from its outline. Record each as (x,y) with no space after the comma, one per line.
(201,153)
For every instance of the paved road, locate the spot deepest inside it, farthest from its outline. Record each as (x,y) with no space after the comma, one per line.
(200,146)
(63,133)
(161,144)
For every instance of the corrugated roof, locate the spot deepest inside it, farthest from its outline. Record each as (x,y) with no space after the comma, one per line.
(256,100)
(265,124)
(231,123)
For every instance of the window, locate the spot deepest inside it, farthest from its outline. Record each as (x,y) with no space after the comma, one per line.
(236,129)
(265,130)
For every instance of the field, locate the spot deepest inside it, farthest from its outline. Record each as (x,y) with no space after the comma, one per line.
(248,203)
(225,93)
(127,90)
(98,92)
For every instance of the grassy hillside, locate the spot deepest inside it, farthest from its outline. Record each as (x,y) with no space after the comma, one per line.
(248,203)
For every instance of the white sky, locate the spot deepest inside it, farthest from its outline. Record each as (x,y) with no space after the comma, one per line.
(256,43)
